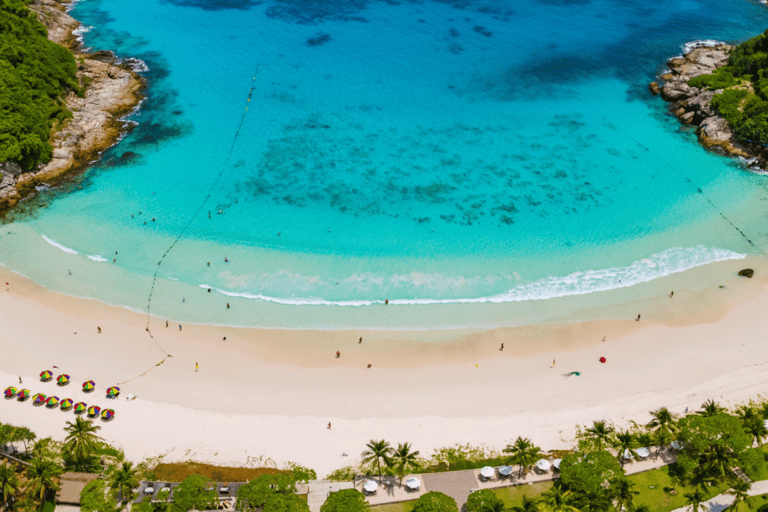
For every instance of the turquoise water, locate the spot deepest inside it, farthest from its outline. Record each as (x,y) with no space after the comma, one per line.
(428,152)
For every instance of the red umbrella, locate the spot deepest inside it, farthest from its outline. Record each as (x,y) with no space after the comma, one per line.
(602,359)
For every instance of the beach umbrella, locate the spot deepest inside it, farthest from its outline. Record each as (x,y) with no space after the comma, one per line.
(487,472)
(46,375)
(413,483)
(39,398)
(52,400)
(80,407)
(23,394)
(556,464)
(643,452)
(505,470)
(62,379)
(89,385)
(94,410)
(543,465)
(602,359)
(371,486)
(107,414)
(113,391)
(10,391)
(66,404)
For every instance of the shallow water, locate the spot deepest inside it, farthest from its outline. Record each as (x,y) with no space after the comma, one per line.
(422,152)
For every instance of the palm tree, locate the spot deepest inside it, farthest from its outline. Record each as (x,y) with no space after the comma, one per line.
(524,453)
(756,428)
(494,506)
(41,449)
(41,475)
(600,432)
(123,481)
(624,442)
(642,508)
(663,425)
(623,492)
(595,499)
(376,452)
(739,491)
(9,483)
(527,505)
(709,408)
(695,499)
(81,439)
(557,500)
(403,458)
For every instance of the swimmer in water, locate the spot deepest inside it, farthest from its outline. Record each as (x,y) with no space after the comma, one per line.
(226,260)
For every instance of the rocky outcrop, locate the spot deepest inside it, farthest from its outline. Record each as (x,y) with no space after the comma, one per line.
(113,90)
(747,272)
(693,106)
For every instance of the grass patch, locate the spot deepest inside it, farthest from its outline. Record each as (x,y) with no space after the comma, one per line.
(177,472)
(403,506)
(659,499)
(513,496)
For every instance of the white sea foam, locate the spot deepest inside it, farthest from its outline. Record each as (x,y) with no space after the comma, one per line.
(668,262)
(59,246)
(80,31)
(702,43)
(137,65)
(96,257)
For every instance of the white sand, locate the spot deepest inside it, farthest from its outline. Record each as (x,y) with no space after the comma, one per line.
(268,395)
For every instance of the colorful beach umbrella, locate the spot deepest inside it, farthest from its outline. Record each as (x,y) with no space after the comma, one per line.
(23,394)
(10,391)
(94,410)
(62,379)
(66,404)
(80,407)
(113,391)
(46,375)
(89,385)
(39,398)
(107,414)
(52,401)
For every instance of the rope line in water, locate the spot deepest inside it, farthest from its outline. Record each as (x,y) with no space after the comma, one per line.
(189,223)
(693,185)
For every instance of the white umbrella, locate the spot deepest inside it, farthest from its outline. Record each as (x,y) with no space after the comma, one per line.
(371,486)
(765,423)
(677,445)
(487,472)
(556,463)
(505,470)
(543,465)
(643,453)
(627,455)
(413,483)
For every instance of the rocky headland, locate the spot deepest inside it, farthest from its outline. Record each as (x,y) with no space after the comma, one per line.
(113,90)
(693,106)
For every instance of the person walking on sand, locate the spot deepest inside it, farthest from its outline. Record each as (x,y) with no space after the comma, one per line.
(502,347)
(553,363)
(20,381)
(99,328)
(329,425)
(196,366)
(338,354)
(672,294)
(361,339)
(179,326)
(166,323)
(638,318)
(227,305)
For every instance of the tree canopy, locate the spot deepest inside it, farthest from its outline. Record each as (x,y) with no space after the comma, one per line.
(347,500)
(435,502)
(255,495)
(582,473)
(195,492)
(34,75)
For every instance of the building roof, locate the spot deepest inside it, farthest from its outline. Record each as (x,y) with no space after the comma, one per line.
(71,484)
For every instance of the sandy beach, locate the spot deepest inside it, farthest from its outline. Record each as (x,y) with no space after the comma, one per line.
(266,396)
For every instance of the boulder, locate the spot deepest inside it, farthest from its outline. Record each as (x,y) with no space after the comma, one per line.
(654,88)
(747,272)
(673,91)
(716,129)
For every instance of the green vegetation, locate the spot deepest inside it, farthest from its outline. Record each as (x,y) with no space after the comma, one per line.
(435,502)
(34,75)
(195,492)
(744,80)
(270,493)
(347,500)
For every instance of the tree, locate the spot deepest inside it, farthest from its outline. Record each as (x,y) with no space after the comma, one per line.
(695,499)
(9,483)
(94,498)
(376,452)
(623,492)
(595,499)
(41,475)
(480,500)
(435,502)
(41,449)
(254,495)
(625,442)
(711,445)
(583,472)
(739,490)
(195,492)
(347,500)
(81,440)
(662,425)
(599,433)
(285,503)
(24,435)
(300,473)
(557,499)
(527,505)
(709,408)
(524,453)
(123,481)
(403,459)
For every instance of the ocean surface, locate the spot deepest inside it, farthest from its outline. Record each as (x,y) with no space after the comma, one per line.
(431,153)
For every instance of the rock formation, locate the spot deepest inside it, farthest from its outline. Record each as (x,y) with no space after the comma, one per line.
(113,91)
(693,105)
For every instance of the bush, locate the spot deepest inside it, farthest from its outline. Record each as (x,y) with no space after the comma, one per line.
(722,77)
(727,104)
(435,502)
(194,493)
(348,500)
(256,494)
(345,474)
(481,499)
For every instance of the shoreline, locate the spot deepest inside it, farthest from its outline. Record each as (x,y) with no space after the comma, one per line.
(114,91)
(269,393)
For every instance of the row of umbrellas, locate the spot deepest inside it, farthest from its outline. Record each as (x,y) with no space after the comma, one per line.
(412,483)
(542,465)
(53,401)
(88,385)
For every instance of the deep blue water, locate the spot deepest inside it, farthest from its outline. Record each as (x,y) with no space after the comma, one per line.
(422,152)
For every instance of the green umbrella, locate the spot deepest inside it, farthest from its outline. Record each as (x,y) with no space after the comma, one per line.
(53,400)
(46,375)
(66,403)
(80,407)
(88,385)
(62,379)
(113,391)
